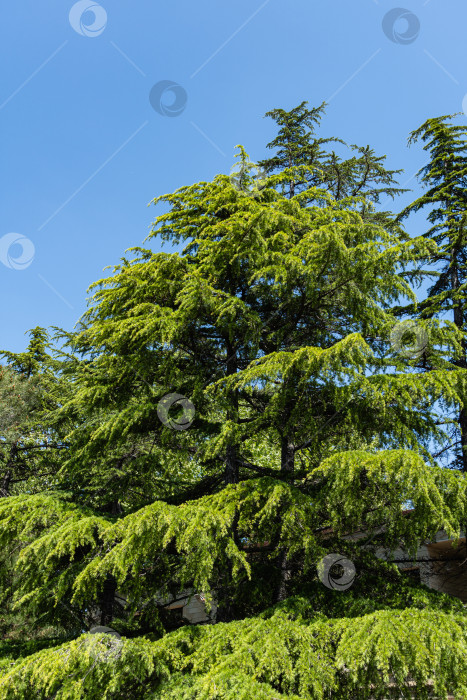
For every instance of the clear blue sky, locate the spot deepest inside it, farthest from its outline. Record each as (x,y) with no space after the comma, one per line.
(84,152)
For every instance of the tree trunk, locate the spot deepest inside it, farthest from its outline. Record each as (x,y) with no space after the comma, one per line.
(463,431)
(107,601)
(284,576)
(231,465)
(287,469)
(231,457)
(287,457)
(5,485)
(6,479)
(459,322)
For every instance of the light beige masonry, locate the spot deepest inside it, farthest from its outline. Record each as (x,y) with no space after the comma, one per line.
(440,564)
(193,606)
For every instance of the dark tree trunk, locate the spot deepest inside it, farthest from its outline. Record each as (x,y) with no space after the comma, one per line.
(107,601)
(459,322)
(6,479)
(283,562)
(5,484)
(463,430)
(285,574)
(231,465)
(231,457)
(287,457)
(231,475)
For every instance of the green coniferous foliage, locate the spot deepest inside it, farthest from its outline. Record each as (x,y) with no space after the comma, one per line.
(444,179)
(275,322)
(296,144)
(363,174)
(31,450)
(29,392)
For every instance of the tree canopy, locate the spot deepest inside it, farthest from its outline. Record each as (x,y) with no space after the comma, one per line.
(224,418)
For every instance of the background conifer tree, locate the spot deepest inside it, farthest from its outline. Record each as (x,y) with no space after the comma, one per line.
(444,178)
